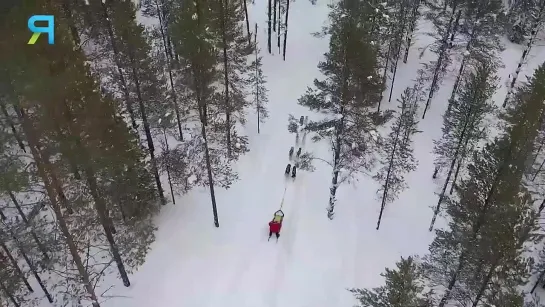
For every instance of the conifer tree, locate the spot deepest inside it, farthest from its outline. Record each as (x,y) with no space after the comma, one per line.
(12,290)
(492,200)
(413,17)
(234,58)
(161,9)
(403,288)
(445,17)
(399,157)
(257,83)
(269,25)
(31,76)
(480,36)
(464,123)
(350,90)
(398,27)
(536,14)
(137,75)
(286,30)
(194,30)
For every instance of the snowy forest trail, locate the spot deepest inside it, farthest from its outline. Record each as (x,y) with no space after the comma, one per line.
(194,264)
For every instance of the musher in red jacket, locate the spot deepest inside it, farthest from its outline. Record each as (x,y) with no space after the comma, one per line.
(274,227)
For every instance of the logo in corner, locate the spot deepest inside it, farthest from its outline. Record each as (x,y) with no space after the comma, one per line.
(49,28)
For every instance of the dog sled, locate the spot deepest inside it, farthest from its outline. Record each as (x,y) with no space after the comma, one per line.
(278,216)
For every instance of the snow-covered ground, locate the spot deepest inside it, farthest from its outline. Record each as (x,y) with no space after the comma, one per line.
(194,264)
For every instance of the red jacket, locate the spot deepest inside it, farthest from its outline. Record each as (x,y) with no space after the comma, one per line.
(274,227)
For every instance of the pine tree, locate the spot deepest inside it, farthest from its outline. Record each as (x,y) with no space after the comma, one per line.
(403,288)
(350,89)
(494,187)
(537,15)
(399,157)
(269,25)
(24,249)
(521,17)
(445,20)
(194,30)
(14,179)
(234,58)
(413,17)
(137,74)
(286,30)
(463,123)
(247,22)
(533,90)
(12,290)
(399,26)
(161,9)
(25,72)
(257,83)
(481,34)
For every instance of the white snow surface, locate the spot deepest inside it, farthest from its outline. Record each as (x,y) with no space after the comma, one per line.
(194,264)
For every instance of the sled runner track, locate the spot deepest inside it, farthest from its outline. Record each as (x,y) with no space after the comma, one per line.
(287,239)
(292,206)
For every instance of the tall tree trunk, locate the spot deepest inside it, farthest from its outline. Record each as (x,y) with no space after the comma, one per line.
(147,129)
(12,126)
(116,57)
(162,14)
(168,55)
(41,247)
(459,147)
(210,177)
(257,83)
(339,130)
(442,53)
(286,29)
(538,151)
(248,23)
(100,204)
(461,162)
(278,34)
(9,294)
(269,42)
(105,220)
(458,167)
(394,76)
(389,172)
(539,279)
(476,227)
(57,185)
(168,168)
(275,4)
(414,19)
(71,161)
(44,167)
(484,284)
(335,179)
(462,66)
(31,267)
(201,103)
(538,170)
(385,74)
(226,78)
(398,51)
(15,265)
(538,21)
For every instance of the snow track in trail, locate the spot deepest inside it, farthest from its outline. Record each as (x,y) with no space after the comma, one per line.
(292,206)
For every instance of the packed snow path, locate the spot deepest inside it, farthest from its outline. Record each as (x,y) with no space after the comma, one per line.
(194,264)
